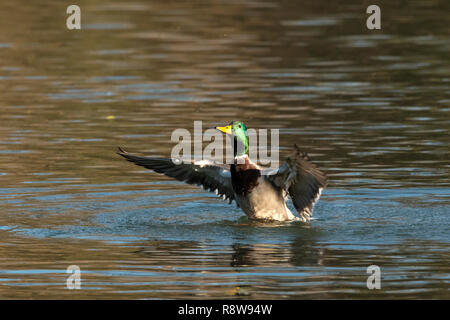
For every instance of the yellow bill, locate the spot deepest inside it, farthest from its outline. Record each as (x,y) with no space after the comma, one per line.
(226,129)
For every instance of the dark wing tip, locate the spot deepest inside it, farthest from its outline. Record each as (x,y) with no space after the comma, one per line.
(121,151)
(126,155)
(319,175)
(297,152)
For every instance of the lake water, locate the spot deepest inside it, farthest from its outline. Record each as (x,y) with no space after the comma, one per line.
(370,107)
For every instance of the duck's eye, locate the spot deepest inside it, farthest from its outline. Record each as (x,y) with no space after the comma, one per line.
(239,126)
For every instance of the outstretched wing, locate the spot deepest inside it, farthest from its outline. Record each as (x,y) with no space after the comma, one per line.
(211,176)
(302,180)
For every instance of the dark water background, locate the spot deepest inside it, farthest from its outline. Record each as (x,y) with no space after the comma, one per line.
(370,107)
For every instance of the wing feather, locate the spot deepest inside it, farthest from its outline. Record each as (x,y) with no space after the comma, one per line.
(302,180)
(213,177)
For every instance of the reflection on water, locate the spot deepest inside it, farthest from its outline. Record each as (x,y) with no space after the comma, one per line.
(371,108)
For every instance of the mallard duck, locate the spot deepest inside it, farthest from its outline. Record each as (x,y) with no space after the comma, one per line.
(260,193)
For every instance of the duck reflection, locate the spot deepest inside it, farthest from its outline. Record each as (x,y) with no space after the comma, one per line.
(301,252)
(303,266)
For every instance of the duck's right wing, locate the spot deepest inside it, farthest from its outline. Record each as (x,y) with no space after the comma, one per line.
(212,176)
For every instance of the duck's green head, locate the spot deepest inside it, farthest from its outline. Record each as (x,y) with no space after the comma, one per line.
(238,131)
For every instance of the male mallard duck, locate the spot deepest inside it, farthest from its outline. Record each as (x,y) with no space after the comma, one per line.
(260,194)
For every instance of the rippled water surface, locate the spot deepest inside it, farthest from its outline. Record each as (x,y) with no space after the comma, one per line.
(370,107)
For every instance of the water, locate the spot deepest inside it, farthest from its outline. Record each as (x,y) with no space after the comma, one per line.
(370,107)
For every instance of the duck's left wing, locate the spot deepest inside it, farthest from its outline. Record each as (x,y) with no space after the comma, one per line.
(212,176)
(302,180)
